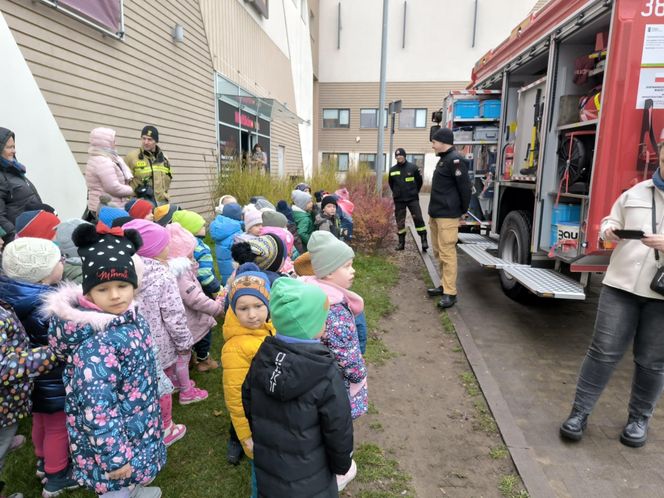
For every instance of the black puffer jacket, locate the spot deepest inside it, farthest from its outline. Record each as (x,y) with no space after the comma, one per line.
(17,193)
(405,182)
(298,409)
(48,395)
(450,187)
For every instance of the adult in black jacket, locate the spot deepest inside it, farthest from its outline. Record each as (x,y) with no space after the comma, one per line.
(450,197)
(405,182)
(296,402)
(17,193)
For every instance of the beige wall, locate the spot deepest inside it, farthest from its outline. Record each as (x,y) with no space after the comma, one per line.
(245,54)
(89,80)
(356,96)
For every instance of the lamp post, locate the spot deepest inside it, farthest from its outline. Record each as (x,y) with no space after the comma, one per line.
(381,103)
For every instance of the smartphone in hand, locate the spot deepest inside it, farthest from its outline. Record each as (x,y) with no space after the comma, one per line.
(630,234)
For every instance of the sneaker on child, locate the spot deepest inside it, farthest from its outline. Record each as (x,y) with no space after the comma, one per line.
(174,433)
(58,483)
(192,395)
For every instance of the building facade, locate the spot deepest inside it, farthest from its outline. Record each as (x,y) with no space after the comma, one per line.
(432,47)
(210,74)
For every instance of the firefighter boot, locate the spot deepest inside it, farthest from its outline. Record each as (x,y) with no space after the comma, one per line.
(402,242)
(425,243)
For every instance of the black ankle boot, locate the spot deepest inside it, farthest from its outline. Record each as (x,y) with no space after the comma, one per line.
(635,432)
(402,242)
(425,243)
(574,426)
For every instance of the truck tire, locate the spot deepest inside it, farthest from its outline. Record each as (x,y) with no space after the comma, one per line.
(514,246)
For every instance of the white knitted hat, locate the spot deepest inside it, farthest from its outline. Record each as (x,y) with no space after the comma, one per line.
(30,259)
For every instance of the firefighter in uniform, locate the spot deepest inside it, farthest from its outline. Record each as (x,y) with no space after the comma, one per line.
(450,197)
(405,182)
(150,167)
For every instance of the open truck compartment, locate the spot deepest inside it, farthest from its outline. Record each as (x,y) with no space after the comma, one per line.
(574,81)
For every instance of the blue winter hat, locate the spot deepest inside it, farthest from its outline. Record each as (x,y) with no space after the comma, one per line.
(108,214)
(232,210)
(284,208)
(249,281)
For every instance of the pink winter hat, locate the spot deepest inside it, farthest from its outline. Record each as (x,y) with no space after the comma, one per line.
(155,237)
(183,242)
(252,217)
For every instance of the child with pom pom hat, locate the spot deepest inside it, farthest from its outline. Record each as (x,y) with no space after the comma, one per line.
(95,325)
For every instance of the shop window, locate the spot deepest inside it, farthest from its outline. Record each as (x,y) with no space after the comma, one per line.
(369,118)
(412,118)
(338,160)
(336,118)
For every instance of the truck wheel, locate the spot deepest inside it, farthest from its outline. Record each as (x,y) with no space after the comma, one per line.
(514,246)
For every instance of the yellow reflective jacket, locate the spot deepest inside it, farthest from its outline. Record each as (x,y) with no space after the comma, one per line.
(240,346)
(153,167)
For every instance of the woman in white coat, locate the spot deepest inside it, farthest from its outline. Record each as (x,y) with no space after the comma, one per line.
(629,313)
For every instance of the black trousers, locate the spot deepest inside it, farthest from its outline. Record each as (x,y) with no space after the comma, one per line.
(415,211)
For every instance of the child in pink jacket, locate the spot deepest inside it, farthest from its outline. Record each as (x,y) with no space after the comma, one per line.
(201,310)
(160,304)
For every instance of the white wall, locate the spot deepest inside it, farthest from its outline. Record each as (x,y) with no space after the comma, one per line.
(40,145)
(290,32)
(438,37)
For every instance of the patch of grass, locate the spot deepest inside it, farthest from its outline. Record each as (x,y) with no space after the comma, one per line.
(483,419)
(375,276)
(457,348)
(498,452)
(470,383)
(510,487)
(372,409)
(448,326)
(381,472)
(376,426)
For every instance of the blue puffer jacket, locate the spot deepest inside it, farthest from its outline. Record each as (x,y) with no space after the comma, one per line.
(113,414)
(48,395)
(223,231)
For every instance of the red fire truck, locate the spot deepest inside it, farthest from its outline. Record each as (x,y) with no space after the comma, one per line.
(579,86)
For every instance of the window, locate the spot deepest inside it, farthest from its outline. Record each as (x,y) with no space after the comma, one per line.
(417,160)
(337,159)
(103,15)
(336,118)
(413,118)
(370,161)
(369,118)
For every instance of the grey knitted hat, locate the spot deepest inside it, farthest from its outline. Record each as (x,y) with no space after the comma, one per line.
(301,199)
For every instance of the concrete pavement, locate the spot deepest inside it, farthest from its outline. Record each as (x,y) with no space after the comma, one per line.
(527,358)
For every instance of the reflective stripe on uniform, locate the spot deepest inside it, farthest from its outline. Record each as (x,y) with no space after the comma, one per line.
(400,232)
(421,229)
(147,170)
(410,179)
(395,173)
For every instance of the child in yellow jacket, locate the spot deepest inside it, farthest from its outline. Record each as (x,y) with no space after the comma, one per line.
(245,328)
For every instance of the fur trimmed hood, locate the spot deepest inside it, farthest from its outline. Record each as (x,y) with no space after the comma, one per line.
(179,266)
(71,323)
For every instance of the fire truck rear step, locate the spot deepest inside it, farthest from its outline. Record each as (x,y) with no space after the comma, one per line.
(479,253)
(546,283)
(475,238)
